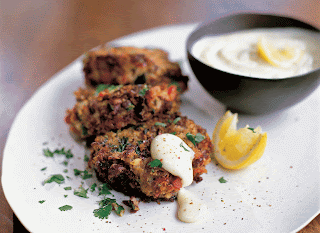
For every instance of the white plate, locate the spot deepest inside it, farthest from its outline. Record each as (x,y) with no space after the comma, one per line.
(279,193)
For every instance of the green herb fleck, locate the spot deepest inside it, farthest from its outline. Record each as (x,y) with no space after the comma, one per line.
(62,151)
(77,172)
(131,106)
(155,163)
(47,153)
(81,192)
(43,169)
(65,163)
(65,196)
(67,188)
(65,208)
(42,201)
(103,212)
(173,133)
(175,121)
(160,124)
(55,178)
(84,130)
(103,87)
(252,129)
(123,144)
(195,138)
(86,175)
(65,170)
(104,189)
(86,158)
(93,187)
(181,145)
(143,91)
(222,180)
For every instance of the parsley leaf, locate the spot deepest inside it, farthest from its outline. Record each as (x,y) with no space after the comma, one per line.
(93,187)
(86,158)
(81,192)
(175,121)
(195,138)
(47,153)
(222,180)
(41,201)
(109,87)
(160,124)
(67,188)
(58,178)
(252,129)
(43,168)
(155,163)
(123,144)
(65,207)
(143,91)
(103,212)
(104,189)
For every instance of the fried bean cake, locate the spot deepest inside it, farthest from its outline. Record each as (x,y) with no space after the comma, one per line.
(132,65)
(122,158)
(113,107)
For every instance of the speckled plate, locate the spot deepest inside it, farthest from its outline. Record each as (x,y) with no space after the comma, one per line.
(279,193)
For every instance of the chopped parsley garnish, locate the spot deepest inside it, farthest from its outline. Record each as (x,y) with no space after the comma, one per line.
(173,133)
(81,192)
(42,201)
(65,163)
(160,124)
(252,129)
(155,163)
(47,153)
(65,170)
(143,91)
(103,212)
(67,188)
(104,189)
(195,138)
(131,106)
(181,145)
(43,169)
(58,178)
(175,121)
(62,151)
(106,206)
(222,180)
(85,173)
(65,207)
(109,87)
(65,196)
(86,158)
(84,130)
(93,187)
(123,144)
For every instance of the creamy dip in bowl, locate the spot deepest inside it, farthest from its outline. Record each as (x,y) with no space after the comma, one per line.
(256,63)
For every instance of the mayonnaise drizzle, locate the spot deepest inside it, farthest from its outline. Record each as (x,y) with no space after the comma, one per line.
(176,157)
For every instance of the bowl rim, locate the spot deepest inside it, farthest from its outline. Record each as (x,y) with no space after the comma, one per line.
(191,41)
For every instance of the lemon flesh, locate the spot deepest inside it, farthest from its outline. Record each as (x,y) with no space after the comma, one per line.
(236,149)
(281,53)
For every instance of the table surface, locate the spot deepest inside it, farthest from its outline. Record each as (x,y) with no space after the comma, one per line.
(39,38)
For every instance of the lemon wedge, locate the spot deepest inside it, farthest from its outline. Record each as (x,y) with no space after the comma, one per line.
(236,149)
(280,53)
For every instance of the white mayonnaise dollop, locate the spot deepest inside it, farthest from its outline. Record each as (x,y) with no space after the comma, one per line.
(176,156)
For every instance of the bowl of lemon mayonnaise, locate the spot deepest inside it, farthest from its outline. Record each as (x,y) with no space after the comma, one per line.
(256,63)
